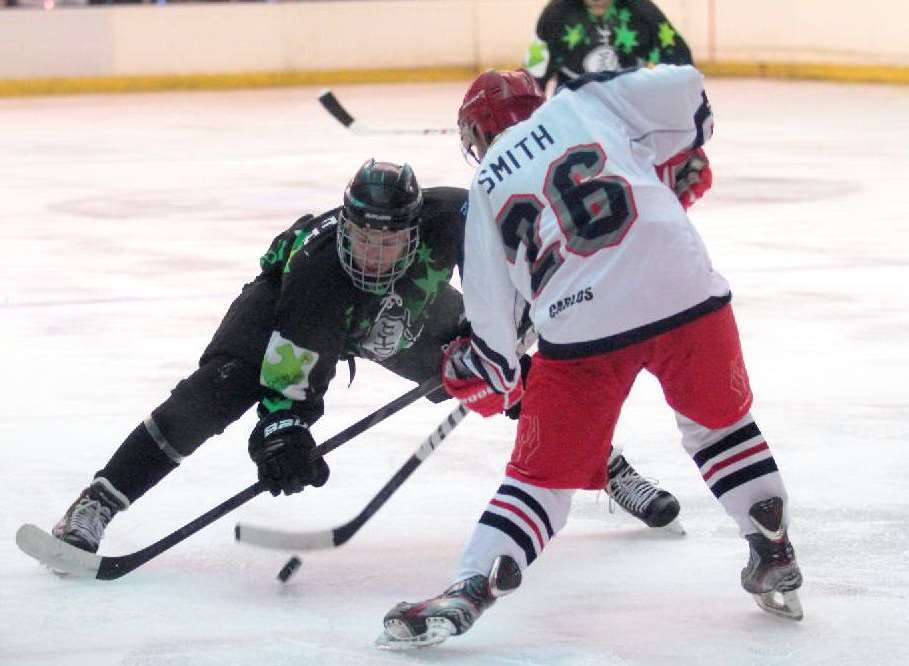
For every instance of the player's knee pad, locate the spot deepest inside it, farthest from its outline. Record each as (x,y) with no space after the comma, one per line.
(206,402)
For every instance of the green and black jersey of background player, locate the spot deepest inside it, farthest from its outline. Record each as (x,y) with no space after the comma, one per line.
(320,317)
(570,41)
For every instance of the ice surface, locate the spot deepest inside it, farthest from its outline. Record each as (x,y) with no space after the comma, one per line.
(127,225)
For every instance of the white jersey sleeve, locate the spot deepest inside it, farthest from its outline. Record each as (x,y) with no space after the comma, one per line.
(490,296)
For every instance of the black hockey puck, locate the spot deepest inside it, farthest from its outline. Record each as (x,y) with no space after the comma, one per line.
(289,569)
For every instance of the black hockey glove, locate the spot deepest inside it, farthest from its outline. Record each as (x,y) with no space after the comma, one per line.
(280,445)
(514,412)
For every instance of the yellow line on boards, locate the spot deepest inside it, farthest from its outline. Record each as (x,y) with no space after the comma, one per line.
(810,71)
(123,84)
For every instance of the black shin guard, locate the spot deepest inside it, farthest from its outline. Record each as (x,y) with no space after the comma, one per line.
(199,407)
(137,465)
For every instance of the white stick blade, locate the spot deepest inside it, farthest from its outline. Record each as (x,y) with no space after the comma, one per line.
(56,554)
(265,537)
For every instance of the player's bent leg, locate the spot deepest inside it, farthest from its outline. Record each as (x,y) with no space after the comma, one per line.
(218,393)
(519,521)
(200,406)
(515,527)
(736,463)
(739,468)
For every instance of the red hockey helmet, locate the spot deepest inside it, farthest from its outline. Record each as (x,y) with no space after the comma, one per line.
(494,102)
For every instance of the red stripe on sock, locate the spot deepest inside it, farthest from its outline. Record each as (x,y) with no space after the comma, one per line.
(523,516)
(761,446)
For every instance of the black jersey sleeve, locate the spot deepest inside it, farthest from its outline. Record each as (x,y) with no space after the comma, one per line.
(310,321)
(273,262)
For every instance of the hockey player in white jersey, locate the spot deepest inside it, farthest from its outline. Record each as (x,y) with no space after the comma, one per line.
(568,213)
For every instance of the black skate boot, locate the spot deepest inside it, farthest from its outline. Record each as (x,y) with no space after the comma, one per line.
(453,612)
(641,498)
(772,575)
(83,523)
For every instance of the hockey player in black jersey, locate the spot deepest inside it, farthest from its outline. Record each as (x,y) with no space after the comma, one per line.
(369,280)
(575,37)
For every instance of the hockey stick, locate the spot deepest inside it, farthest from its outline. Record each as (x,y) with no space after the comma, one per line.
(334,537)
(331,104)
(61,556)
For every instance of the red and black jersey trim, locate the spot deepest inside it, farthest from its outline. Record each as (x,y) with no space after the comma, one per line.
(507,372)
(633,336)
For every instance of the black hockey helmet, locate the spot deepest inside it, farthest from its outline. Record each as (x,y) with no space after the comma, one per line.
(379,229)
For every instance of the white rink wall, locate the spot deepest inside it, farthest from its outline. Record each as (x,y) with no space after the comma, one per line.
(370,36)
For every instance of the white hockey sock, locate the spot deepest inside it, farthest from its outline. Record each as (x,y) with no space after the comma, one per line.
(519,521)
(736,464)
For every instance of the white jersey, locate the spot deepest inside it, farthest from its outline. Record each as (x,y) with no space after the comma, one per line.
(566,212)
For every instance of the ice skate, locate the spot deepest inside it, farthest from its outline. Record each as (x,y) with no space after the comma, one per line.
(645,501)
(84,522)
(772,574)
(453,612)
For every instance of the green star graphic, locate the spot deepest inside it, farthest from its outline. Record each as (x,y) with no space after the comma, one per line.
(625,17)
(654,56)
(536,54)
(574,35)
(626,39)
(667,35)
(429,285)
(612,12)
(424,254)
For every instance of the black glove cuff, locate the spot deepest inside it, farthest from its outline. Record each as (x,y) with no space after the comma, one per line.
(274,423)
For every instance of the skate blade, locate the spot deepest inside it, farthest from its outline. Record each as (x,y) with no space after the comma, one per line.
(438,631)
(781,604)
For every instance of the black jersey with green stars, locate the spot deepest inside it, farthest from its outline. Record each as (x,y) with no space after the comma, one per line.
(570,41)
(322,318)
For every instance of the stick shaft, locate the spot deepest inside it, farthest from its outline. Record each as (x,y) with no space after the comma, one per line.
(333,537)
(43,546)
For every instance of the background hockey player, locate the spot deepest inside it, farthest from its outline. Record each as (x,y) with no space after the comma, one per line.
(368,280)
(575,37)
(567,213)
